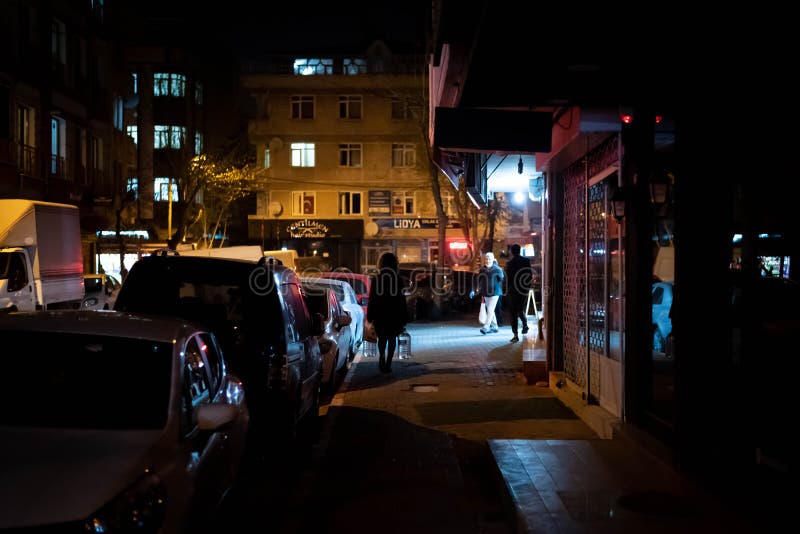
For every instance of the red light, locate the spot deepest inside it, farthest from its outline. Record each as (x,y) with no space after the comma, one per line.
(626,118)
(659,118)
(458,245)
(204,347)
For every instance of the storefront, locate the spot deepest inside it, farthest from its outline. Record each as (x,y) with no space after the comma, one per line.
(323,244)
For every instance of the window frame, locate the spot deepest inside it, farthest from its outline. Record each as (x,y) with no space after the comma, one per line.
(347,200)
(351,107)
(301,200)
(349,153)
(299,105)
(305,154)
(401,153)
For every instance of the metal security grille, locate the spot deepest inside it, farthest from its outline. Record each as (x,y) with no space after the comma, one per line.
(597,292)
(574,179)
(585,265)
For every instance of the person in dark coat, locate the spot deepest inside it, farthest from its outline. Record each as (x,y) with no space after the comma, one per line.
(519,275)
(386,308)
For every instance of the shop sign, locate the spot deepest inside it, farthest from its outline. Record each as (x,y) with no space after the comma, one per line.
(380,202)
(413,223)
(307,228)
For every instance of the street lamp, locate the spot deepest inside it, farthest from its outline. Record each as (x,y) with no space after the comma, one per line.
(659,187)
(618,199)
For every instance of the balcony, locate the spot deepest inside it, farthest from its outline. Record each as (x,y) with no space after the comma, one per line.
(26,160)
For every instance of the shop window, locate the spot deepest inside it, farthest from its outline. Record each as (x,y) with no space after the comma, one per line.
(303,203)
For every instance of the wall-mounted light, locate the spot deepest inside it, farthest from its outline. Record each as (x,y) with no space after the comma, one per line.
(519,165)
(659,188)
(618,200)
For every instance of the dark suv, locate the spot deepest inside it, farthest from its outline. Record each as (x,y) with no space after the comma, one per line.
(259,316)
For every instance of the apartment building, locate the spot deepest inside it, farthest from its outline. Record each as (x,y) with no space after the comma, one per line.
(342,139)
(62,100)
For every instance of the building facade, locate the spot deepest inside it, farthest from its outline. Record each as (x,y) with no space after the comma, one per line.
(62,100)
(348,175)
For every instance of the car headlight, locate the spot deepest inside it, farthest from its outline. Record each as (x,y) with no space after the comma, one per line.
(140,508)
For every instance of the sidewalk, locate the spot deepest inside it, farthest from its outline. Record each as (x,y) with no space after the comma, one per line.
(433,446)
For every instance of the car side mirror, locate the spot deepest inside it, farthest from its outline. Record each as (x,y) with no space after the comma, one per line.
(216,416)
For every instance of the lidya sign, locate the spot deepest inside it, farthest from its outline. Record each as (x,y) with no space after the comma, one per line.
(307,228)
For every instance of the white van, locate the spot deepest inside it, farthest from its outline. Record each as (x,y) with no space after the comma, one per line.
(240,252)
(286,257)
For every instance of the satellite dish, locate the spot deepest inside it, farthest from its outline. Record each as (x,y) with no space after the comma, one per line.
(372,229)
(276,143)
(275,208)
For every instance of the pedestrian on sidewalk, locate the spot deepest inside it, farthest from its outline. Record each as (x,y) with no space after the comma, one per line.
(498,309)
(490,285)
(387,309)
(519,275)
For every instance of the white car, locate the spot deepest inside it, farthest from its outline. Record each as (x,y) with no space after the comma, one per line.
(335,341)
(100,291)
(348,300)
(136,424)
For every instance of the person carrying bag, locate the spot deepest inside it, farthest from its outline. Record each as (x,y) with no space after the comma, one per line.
(482,315)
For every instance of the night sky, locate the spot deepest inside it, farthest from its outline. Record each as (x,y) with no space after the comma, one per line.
(251,29)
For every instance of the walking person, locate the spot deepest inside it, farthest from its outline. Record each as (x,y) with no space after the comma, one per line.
(498,310)
(520,276)
(386,308)
(490,283)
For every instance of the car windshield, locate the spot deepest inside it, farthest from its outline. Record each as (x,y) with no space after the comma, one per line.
(64,380)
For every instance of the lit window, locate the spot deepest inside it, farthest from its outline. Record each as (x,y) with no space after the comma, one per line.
(350,107)
(302,107)
(133,187)
(349,203)
(198,93)
(302,154)
(118,113)
(135,77)
(161,190)
(350,155)
(266,158)
(403,155)
(198,142)
(352,66)
(313,66)
(169,136)
(169,84)
(303,203)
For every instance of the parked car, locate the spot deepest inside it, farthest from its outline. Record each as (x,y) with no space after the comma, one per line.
(257,312)
(462,296)
(359,282)
(420,288)
(661,297)
(347,298)
(336,339)
(100,291)
(131,423)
